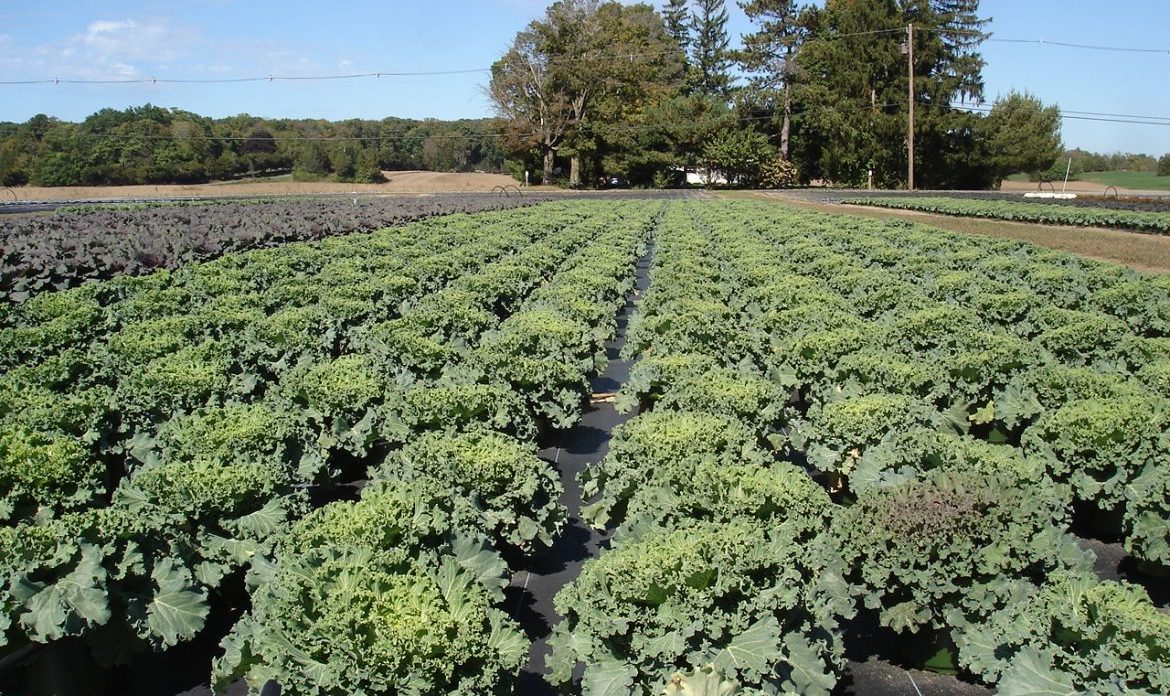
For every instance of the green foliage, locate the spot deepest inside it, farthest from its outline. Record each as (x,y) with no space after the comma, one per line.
(1099,446)
(413,519)
(42,475)
(1041,213)
(741,156)
(754,400)
(179,381)
(461,406)
(779,173)
(389,592)
(1147,515)
(710,59)
(141,568)
(352,619)
(781,495)
(834,435)
(517,492)
(1090,636)
(149,144)
(980,530)
(1023,134)
(656,448)
(736,595)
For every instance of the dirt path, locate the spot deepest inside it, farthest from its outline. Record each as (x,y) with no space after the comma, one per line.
(1144,252)
(405,182)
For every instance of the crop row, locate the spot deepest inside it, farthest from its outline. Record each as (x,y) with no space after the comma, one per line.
(959,400)
(161,434)
(65,249)
(1042,213)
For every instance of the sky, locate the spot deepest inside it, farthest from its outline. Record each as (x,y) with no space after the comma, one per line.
(202,39)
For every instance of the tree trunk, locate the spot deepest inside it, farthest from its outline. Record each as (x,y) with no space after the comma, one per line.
(787,126)
(575,171)
(549,154)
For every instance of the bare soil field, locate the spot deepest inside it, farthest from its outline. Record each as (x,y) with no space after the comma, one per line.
(404,182)
(1089,187)
(1144,252)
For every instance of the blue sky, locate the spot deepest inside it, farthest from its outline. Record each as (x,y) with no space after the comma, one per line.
(113,39)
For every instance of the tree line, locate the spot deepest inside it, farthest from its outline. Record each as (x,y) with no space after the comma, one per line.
(154,145)
(817,92)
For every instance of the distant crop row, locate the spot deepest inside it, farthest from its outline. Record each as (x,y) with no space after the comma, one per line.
(158,435)
(957,398)
(1042,213)
(66,249)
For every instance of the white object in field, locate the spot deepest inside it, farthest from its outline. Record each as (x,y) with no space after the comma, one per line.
(1046,194)
(705,177)
(1067,169)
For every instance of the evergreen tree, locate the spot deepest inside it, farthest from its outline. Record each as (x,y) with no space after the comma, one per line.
(1023,134)
(852,85)
(768,55)
(709,48)
(676,18)
(961,31)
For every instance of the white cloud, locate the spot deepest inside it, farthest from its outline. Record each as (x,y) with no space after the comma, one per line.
(107,49)
(129,41)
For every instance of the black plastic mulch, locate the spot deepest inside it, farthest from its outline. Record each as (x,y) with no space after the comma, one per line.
(530,596)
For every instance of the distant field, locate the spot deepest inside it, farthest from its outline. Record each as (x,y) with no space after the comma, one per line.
(400,182)
(1130,180)
(1140,181)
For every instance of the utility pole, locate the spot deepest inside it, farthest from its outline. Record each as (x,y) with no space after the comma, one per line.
(910,135)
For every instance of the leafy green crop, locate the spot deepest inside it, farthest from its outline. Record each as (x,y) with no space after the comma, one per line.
(1044,213)
(660,446)
(390,593)
(738,596)
(1073,634)
(1147,515)
(950,540)
(1099,446)
(517,493)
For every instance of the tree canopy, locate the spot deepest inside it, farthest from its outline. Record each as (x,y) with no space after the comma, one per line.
(1022,134)
(154,145)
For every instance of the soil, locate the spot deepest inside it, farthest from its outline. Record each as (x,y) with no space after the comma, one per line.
(1092,187)
(404,182)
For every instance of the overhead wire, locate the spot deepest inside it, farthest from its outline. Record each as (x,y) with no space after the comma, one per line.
(588,55)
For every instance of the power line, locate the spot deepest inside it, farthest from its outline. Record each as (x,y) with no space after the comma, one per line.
(233,80)
(1044,42)
(588,55)
(1073,116)
(1089,47)
(981,104)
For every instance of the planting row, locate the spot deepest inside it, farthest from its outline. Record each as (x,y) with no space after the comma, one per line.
(161,435)
(1042,213)
(65,249)
(958,399)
